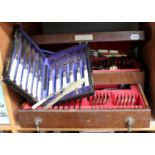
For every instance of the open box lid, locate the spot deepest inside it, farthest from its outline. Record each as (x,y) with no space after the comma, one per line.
(120,40)
(34,64)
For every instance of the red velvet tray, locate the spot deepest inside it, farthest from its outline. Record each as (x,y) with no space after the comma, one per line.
(103,98)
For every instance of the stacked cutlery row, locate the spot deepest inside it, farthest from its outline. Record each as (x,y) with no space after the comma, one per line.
(112,61)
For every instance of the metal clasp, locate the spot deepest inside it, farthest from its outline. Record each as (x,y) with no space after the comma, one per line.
(129,122)
(37,121)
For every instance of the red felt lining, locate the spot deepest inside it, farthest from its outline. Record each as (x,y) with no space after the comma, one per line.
(103,99)
(130,64)
(117,70)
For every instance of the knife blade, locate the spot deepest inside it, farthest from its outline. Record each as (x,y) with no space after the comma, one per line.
(16,50)
(72,87)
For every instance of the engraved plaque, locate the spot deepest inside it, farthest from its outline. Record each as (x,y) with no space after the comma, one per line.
(83,37)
